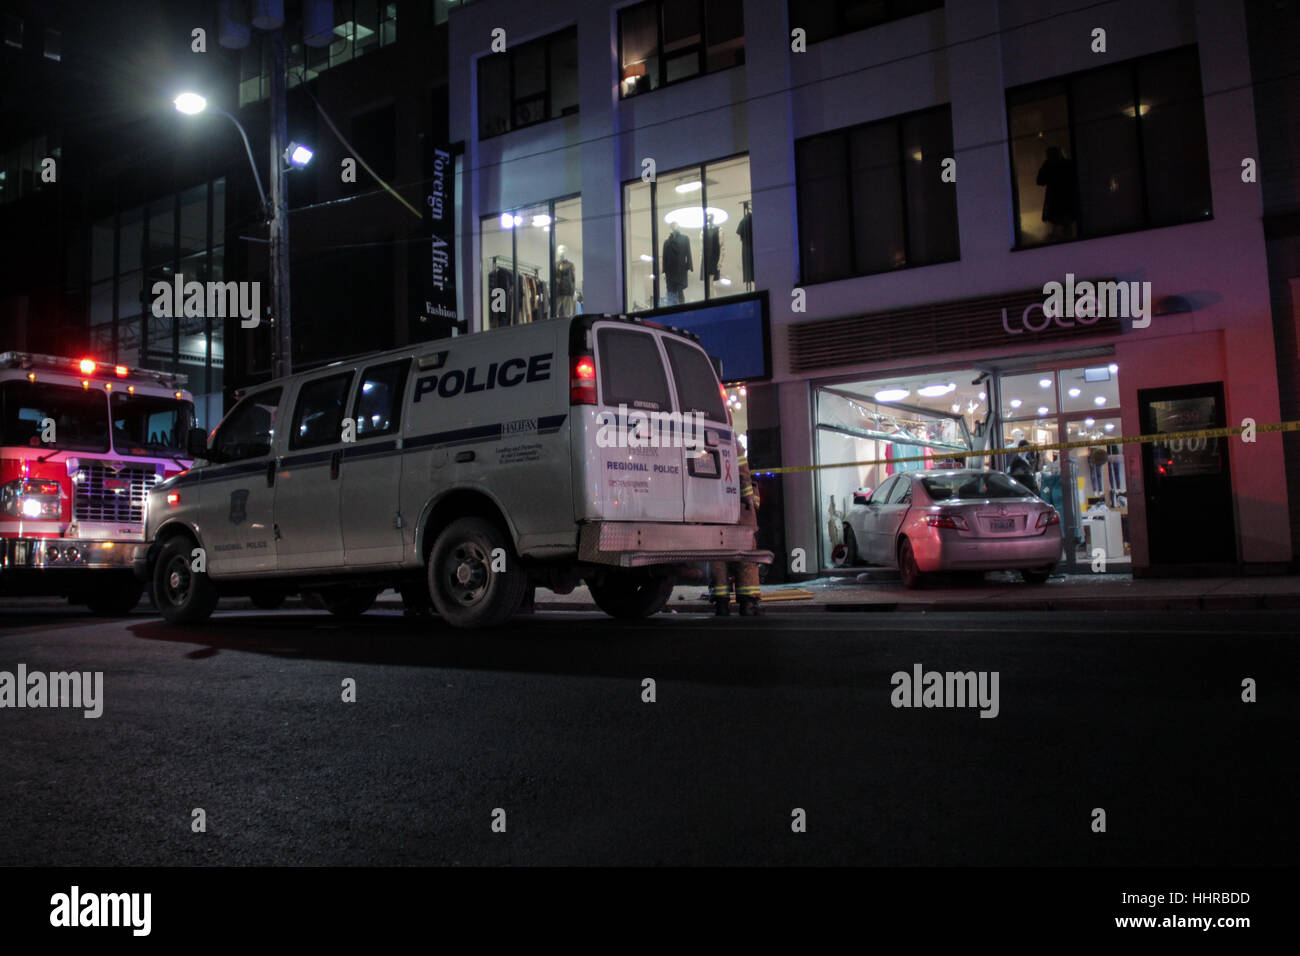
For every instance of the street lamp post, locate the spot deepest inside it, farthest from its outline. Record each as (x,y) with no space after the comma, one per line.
(277,210)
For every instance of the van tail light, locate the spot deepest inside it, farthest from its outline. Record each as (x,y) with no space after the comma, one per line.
(1048,518)
(953,522)
(582,380)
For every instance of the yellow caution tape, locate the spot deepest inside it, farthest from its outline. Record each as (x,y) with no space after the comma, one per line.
(1226,432)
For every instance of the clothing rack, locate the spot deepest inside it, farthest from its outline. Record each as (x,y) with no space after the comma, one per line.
(517,266)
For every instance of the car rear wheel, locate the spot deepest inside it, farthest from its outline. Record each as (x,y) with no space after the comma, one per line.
(851,559)
(1036,577)
(468,587)
(116,596)
(629,595)
(907,566)
(349,602)
(183,595)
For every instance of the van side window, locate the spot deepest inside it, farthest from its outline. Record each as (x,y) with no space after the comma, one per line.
(249,429)
(318,417)
(378,406)
(631,372)
(697,388)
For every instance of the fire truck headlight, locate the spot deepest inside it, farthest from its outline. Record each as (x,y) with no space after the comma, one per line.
(32,508)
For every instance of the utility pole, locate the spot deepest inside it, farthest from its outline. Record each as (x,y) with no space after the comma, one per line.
(283,347)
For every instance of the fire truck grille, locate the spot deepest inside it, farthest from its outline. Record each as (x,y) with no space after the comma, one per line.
(103,494)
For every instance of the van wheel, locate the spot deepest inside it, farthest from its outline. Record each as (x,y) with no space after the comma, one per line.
(115,600)
(465,589)
(907,566)
(349,602)
(183,596)
(631,595)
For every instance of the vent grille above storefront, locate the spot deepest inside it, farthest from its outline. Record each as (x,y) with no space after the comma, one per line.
(934,329)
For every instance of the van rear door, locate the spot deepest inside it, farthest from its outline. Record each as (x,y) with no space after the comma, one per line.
(710,477)
(638,474)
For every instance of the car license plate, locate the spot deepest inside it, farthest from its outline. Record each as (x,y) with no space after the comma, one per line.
(1002,524)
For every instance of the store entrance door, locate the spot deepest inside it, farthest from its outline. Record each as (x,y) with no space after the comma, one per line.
(1188,488)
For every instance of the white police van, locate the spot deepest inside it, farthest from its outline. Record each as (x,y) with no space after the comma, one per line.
(463,472)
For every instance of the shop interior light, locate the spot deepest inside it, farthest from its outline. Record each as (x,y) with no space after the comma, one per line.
(1110,426)
(509,221)
(1113,368)
(1090,422)
(934,391)
(541,221)
(645,258)
(692,217)
(956,407)
(1016,403)
(892,394)
(1042,409)
(1099,400)
(1044,383)
(689,187)
(1074,392)
(983,396)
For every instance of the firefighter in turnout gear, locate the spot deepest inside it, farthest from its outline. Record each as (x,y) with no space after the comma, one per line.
(748,597)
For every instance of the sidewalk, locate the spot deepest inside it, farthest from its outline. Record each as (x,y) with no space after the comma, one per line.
(882,591)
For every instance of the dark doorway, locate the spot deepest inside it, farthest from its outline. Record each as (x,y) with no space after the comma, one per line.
(1188,488)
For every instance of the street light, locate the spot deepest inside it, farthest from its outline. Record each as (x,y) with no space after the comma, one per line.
(191,104)
(276,212)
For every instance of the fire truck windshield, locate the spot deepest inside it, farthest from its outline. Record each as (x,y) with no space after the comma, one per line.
(150,424)
(57,417)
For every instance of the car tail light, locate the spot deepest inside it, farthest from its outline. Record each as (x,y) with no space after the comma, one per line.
(582,380)
(954,522)
(1048,518)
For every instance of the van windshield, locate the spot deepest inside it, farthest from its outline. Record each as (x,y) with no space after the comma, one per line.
(697,387)
(631,372)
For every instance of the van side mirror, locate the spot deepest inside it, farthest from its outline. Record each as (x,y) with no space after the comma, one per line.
(196,443)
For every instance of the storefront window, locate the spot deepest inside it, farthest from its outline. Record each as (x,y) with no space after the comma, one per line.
(532,263)
(688,237)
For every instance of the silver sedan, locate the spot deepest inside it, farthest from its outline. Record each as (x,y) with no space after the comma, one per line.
(960,520)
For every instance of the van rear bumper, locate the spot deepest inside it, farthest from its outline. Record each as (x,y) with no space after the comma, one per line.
(639,544)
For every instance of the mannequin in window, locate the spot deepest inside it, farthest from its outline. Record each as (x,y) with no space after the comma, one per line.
(711,252)
(746,232)
(565,283)
(1060,193)
(675,263)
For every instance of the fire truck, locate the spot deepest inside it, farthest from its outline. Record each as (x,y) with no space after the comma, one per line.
(81,445)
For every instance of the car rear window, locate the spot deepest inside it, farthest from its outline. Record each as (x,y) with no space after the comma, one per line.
(631,372)
(987,484)
(697,387)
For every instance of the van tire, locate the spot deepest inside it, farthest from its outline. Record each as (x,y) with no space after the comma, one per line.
(349,602)
(462,585)
(629,595)
(183,596)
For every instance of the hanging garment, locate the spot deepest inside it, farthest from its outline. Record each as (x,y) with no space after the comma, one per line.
(746,232)
(502,279)
(676,261)
(711,253)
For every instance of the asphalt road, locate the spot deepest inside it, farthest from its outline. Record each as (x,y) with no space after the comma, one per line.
(1136,713)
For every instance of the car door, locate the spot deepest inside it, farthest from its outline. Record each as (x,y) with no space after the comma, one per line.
(237,494)
(308,492)
(871,521)
(372,467)
(890,517)
(640,479)
(710,474)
